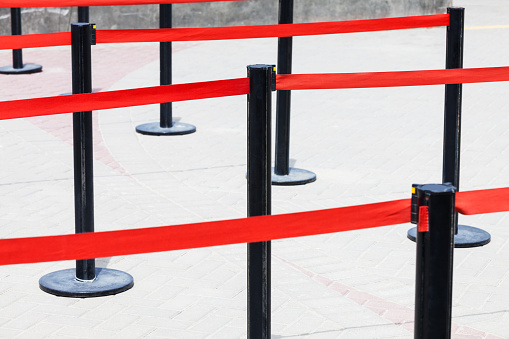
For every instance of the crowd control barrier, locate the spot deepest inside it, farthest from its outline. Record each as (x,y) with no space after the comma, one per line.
(17,54)
(166,125)
(465,236)
(283,174)
(436,209)
(86,280)
(432,207)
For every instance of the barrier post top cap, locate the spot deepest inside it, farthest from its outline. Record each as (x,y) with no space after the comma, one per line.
(446,188)
(262,66)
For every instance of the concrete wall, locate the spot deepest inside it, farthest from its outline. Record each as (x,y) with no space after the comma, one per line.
(43,20)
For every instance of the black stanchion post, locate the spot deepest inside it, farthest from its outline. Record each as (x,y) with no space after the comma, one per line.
(465,236)
(17,55)
(85,280)
(282,173)
(166,64)
(434,213)
(166,125)
(259,196)
(83,146)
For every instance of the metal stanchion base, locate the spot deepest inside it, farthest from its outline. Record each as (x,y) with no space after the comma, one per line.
(107,282)
(295,176)
(26,69)
(467,236)
(154,128)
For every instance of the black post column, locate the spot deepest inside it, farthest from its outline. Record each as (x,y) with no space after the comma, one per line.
(85,280)
(259,197)
(17,55)
(166,125)
(434,260)
(83,144)
(282,173)
(83,14)
(166,64)
(465,236)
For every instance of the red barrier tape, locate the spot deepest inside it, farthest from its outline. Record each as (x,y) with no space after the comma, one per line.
(168,238)
(483,201)
(220,88)
(35,40)
(123,98)
(225,33)
(75,3)
(270,31)
(225,232)
(391,79)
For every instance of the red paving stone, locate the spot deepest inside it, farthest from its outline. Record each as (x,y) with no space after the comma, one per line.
(110,63)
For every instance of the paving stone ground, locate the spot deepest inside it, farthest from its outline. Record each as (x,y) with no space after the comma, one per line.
(366,145)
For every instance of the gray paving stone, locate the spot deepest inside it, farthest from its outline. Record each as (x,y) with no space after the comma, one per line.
(211,324)
(103,312)
(121,321)
(73,332)
(134,332)
(70,322)
(9,332)
(175,333)
(26,321)
(194,313)
(40,330)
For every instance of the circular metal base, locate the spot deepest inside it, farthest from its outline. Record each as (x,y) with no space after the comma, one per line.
(154,128)
(26,69)
(295,176)
(107,282)
(467,236)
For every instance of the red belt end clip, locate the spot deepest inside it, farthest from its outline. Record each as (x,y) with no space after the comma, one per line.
(423,224)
